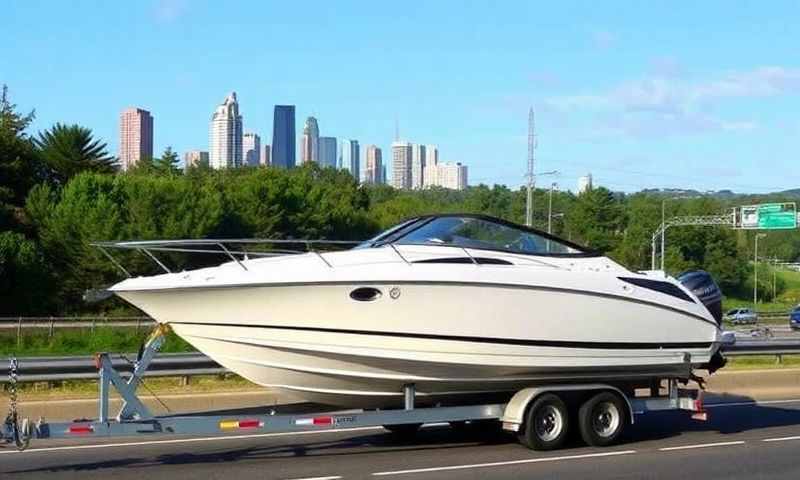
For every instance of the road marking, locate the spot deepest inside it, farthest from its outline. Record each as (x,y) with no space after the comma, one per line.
(500,464)
(335,477)
(781,439)
(700,445)
(750,403)
(189,440)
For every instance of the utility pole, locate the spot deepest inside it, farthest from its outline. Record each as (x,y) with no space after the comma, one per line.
(531,148)
(755,270)
(550,209)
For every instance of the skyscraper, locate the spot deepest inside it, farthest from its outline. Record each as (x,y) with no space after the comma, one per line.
(283,137)
(135,136)
(251,149)
(310,145)
(431,155)
(195,158)
(452,175)
(584,183)
(401,165)
(349,158)
(327,152)
(225,135)
(417,166)
(373,167)
(265,160)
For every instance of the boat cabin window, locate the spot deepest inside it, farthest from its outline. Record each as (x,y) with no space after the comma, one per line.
(479,233)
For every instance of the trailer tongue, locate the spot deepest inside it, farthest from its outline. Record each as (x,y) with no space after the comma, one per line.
(538,414)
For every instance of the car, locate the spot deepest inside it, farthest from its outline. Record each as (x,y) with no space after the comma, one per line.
(742,316)
(794,318)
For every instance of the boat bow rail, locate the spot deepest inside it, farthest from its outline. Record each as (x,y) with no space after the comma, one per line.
(237,250)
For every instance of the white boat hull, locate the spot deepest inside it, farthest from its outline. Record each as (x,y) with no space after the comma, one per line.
(313,340)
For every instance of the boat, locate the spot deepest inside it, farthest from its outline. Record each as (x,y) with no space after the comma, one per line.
(458,305)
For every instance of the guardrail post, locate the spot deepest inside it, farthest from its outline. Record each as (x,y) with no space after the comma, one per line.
(779,359)
(94,321)
(50,331)
(19,331)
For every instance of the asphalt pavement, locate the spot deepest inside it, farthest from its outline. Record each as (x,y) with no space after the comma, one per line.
(742,439)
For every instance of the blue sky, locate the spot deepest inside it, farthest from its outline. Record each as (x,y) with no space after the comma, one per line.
(702,95)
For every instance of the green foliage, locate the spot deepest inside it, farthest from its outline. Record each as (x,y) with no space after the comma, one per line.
(20,166)
(167,164)
(597,219)
(68,150)
(24,276)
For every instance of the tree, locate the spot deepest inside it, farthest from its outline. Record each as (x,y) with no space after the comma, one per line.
(24,278)
(168,163)
(596,218)
(70,149)
(20,166)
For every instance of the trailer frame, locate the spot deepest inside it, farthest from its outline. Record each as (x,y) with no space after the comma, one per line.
(135,419)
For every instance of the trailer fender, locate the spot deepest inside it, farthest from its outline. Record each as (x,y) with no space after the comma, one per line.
(514,413)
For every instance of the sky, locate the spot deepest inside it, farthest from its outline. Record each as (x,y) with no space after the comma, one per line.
(673,94)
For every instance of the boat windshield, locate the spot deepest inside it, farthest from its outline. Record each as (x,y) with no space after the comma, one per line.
(484,234)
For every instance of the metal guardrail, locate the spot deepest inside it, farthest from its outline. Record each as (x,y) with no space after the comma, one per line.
(52,369)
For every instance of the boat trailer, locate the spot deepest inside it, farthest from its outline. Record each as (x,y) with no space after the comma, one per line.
(135,419)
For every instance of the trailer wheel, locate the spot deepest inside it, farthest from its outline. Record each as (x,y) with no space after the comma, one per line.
(601,419)
(405,431)
(546,423)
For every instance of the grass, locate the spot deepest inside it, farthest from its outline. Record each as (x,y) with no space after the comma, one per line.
(81,341)
(760,362)
(783,303)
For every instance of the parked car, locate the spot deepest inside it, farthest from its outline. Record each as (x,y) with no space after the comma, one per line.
(741,316)
(794,318)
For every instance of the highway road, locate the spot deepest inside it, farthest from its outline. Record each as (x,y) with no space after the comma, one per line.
(742,439)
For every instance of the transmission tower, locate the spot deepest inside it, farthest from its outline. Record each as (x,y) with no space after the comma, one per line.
(531,149)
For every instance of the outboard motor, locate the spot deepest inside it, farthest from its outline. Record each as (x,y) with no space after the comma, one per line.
(705,289)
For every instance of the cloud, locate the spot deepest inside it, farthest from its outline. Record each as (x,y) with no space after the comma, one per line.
(669,104)
(166,11)
(603,39)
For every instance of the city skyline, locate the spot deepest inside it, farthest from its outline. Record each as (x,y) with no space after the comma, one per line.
(709,91)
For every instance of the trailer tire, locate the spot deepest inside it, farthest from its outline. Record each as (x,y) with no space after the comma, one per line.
(601,419)
(546,423)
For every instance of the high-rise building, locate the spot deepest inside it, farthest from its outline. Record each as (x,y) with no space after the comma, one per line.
(310,145)
(584,183)
(327,152)
(373,167)
(265,160)
(251,149)
(382,181)
(349,158)
(135,136)
(225,135)
(452,176)
(430,176)
(401,165)
(417,166)
(283,138)
(431,155)
(195,158)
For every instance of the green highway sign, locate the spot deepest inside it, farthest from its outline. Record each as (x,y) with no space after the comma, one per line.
(769,216)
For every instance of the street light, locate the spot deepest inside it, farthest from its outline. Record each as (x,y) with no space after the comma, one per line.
(662,230)
(755,270)
(529,200)
(550,208)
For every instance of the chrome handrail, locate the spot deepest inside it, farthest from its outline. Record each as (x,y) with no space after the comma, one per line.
(147,247)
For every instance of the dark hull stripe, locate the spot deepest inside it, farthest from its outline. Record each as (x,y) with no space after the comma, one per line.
(359,283)
(493,340)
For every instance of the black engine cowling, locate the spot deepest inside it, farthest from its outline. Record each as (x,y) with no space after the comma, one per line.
(706,289)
